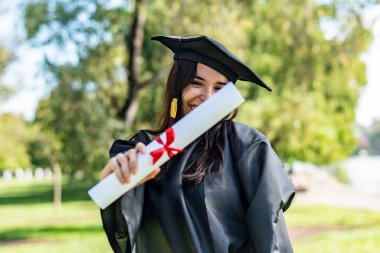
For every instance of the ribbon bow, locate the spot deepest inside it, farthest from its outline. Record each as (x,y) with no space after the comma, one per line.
(156,154)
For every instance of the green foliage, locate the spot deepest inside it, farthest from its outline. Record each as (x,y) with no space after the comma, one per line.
(25,145)
(298,126)
(5,58)
(316,78)
(80,111)
(14,136)
(38,10)
(43,147)
(81,126)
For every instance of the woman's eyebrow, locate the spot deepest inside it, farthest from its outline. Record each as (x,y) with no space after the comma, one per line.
(202,79)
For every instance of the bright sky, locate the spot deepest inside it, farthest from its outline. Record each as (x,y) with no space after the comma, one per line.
(23,74)
(369,102)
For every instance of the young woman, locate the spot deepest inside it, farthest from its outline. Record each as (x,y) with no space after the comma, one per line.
(225,193)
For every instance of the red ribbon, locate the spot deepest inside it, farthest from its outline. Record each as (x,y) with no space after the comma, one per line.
(156,154)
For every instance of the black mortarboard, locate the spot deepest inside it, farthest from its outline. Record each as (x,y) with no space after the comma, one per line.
(211,53)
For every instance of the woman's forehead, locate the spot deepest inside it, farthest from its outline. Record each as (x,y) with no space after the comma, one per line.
(206,72)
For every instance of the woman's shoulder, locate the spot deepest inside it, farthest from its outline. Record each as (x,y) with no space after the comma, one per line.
(247,134)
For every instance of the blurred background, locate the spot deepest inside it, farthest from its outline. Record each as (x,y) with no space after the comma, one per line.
(75,75)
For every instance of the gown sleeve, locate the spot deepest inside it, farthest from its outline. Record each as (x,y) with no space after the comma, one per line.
(122,218)
(268,192)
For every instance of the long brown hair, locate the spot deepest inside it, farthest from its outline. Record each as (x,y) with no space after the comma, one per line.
(208,154)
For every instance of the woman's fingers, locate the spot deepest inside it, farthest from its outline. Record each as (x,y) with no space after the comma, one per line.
(140,147)
(125,165)
(119,165)
(108,169)
(131,156)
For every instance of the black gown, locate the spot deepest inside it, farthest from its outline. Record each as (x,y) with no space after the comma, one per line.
(239,209)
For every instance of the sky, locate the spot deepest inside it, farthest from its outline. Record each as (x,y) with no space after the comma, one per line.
(23,74)
(369,102)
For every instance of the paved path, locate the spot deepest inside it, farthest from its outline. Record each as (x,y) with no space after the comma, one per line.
(322,188)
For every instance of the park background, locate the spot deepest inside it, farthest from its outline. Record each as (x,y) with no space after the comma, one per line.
(75,75)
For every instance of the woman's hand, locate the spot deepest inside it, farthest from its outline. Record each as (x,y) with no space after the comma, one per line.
(125,165)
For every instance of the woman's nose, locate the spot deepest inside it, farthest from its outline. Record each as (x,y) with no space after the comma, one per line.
(207,92)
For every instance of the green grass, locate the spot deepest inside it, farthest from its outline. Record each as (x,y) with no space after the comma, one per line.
(320,215)
(359,240)
(21,193)
(29,223)
(333,230)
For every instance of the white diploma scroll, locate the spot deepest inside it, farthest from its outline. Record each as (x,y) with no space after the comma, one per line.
(185,131)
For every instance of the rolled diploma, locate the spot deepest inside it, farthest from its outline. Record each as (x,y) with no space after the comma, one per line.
(186,130)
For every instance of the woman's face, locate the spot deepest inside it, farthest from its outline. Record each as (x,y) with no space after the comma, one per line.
(206,82)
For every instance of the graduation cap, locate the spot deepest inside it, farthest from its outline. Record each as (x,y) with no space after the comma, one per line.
(211,53)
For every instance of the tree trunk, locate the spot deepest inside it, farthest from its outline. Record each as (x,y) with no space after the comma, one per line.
(57,177)
(134,42)
(132,104)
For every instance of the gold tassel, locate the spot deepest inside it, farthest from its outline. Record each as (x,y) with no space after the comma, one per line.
(173,108)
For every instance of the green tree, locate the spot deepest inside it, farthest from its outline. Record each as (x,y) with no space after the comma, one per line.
(14,136)
(89,93)
(114,51)
(102,36)
(45,151)
(5,58)
(81,127)
(315,79)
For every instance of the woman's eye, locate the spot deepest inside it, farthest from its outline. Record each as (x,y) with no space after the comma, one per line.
(195,83)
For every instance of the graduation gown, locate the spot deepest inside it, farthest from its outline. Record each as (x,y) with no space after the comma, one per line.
(239,209)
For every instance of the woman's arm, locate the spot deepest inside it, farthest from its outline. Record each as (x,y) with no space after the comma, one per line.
(120,225)
(269,193)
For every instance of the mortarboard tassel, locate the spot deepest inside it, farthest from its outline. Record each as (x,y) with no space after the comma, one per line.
(173,108)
